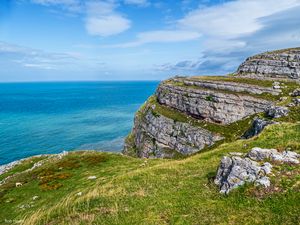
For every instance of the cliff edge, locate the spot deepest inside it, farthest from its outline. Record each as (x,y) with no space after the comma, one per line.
(190,114)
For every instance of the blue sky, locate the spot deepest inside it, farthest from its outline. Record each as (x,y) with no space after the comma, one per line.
(45,40)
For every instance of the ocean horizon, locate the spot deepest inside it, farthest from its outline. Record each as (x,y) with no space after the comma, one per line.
(51,117)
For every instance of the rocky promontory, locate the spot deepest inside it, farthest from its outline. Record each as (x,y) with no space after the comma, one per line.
(190,114)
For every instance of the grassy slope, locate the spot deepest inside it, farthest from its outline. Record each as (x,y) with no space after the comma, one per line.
(162,192)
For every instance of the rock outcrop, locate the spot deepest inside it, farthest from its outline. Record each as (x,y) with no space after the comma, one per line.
(278,64)
(235,171)
(257,127)
(209,104)
(195,112)
(157,136)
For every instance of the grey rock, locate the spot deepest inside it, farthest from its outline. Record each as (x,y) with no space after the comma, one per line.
(296,101)
(263,181)
(296,93)
(210,105)
(277,111)
(160,137)
(260,154)
(257,127)
(236,171)
(227,86)
(283,64)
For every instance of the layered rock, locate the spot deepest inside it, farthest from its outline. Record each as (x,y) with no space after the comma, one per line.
(157,136)
(219,107)
(284,64)
(228,86)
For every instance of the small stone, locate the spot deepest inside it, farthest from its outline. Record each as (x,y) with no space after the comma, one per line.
(276,87)
(18,184)
(283,98)
(35,198)
(264,181)
(92,177)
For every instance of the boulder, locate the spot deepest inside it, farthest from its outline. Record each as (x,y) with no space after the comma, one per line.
(277,111)
(235,171)
(259,154)
(257,127)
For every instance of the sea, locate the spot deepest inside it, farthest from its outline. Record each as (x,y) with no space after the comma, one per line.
(51,117)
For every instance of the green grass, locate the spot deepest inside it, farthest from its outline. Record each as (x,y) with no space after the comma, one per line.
(130,191)
(235,79)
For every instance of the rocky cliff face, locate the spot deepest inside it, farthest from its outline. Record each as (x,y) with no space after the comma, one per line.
(212,105)
(277,64)
(189,114)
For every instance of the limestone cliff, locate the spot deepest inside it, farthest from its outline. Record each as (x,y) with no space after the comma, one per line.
(278,64)
(190,114)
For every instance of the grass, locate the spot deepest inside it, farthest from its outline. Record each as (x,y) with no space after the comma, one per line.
(235,79)
(131,191)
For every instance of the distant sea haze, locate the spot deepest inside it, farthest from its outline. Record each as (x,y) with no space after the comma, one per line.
(45,118)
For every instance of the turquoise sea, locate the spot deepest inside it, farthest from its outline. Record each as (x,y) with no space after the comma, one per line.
(43,118)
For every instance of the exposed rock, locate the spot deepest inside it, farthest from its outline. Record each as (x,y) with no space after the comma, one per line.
(257,127)
(260,154)
(161,137)
(296,101)
(210,105)
(295,93)
(264,181)
(278,64)
(228,86)
(277,111)
(235,171)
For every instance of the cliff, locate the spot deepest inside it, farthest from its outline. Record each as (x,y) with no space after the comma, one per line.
(190,114)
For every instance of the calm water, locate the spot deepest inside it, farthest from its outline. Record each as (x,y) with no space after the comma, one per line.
(42,118)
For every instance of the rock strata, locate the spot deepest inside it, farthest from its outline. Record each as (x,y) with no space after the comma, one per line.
(161,137)
(283,64)
(228,86)
(208,104)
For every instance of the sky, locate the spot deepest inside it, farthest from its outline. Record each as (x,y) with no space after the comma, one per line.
(69,40)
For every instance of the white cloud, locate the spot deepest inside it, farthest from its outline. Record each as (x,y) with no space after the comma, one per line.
(34,58)
(160,36)
(234,18)
(235,30)
(74,6)
(102,19)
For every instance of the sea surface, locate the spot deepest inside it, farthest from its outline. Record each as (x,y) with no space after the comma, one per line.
(45,118)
